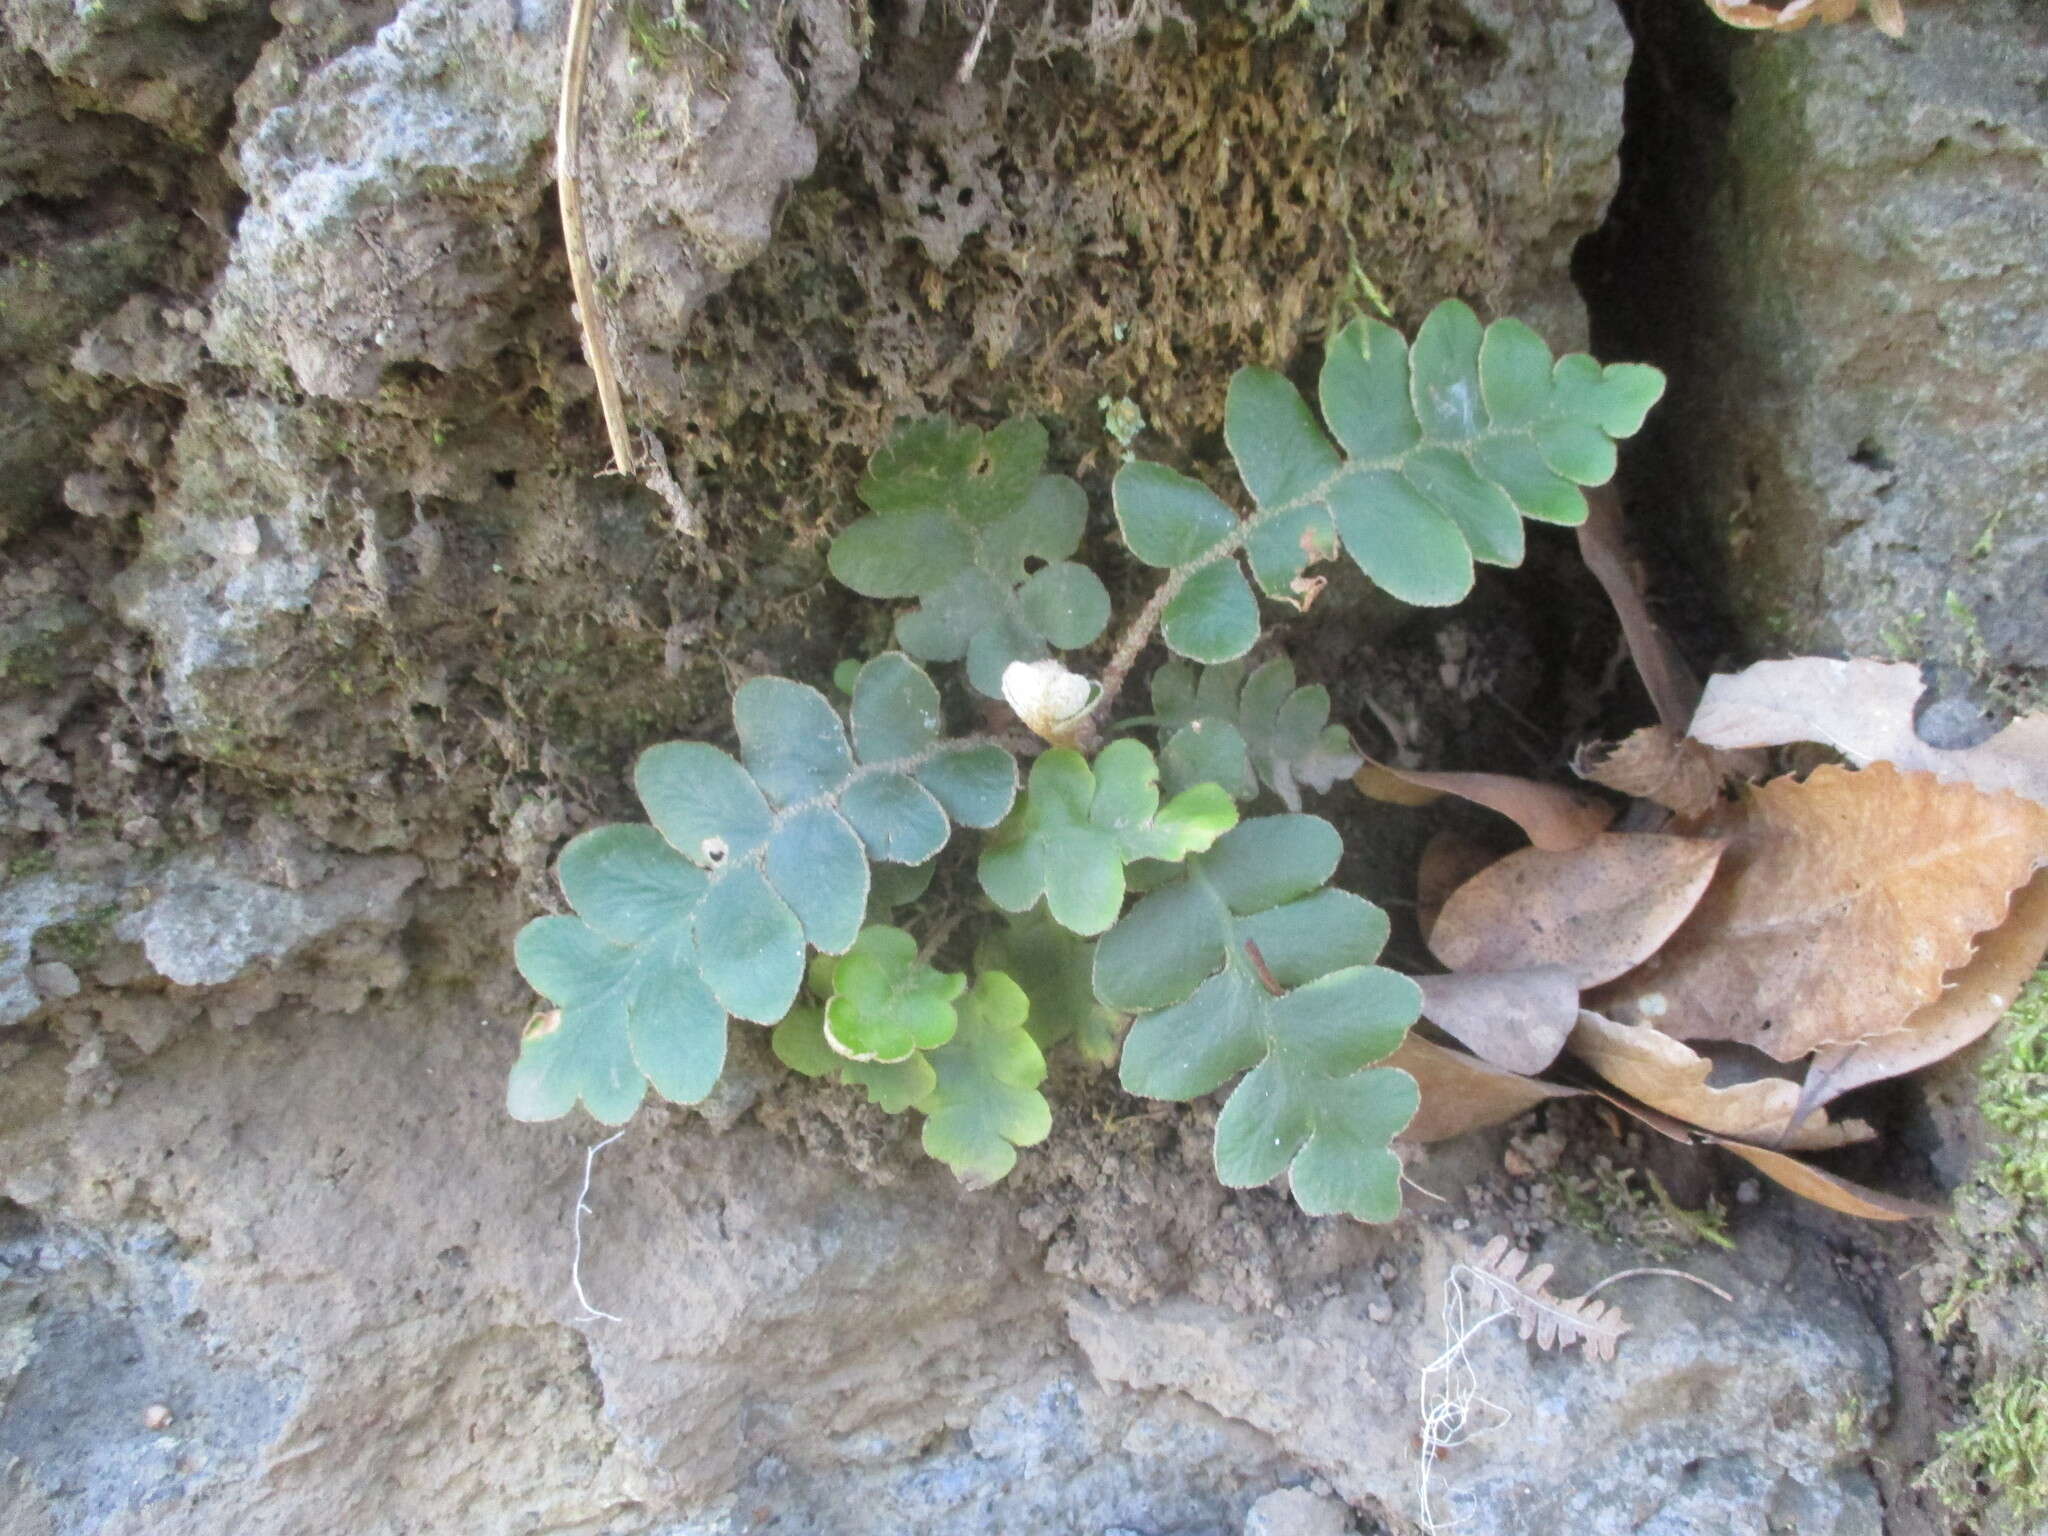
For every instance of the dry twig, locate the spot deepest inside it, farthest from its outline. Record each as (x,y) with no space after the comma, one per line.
(569,190)
(590,317)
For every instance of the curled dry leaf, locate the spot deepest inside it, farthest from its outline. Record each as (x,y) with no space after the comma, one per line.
(1658,764)
(1802,1178)
(1972,1000)
(1514,1019)
(1888,16)
(1603,545)
(1655,1119)
(1671,1077)
(1461,1093)
(1840,904)
(1864,710)
(1552,816)
(1828,1189)
(1597,911)
(1448,860)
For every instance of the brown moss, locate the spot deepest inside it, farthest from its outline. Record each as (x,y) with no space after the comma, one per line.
(1044,236)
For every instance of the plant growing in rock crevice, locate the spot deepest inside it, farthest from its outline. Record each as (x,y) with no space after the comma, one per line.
(1237,959)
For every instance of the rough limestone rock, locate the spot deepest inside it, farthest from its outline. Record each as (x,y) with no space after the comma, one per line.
(691,154)
(1298,1512)
(359,1272)
(347,1275)
(1769,1398)
(200,919)
(230,558)
(394,199)
(171,64)
(1550,153)
(1861,408)
(396,191)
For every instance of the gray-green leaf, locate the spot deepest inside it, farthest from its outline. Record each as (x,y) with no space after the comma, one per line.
(1078,825)
(959,519)
(1241,731)
(1250,965)
(750,863)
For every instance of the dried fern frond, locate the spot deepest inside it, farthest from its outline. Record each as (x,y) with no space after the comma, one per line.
(1888,16)
(1552,1321)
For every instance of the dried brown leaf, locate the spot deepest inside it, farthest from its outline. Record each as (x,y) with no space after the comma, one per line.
(1448,860)
(1658,764)
(1671,1077)
(1864,710)
(1828,1189)
(1888,16)
(1972,1000)
(1840,904)
(1514,1019)
(1555,1322)
(1603,545)
(1551,815)
(1656,1120)
(1597,911)
(1461,1093)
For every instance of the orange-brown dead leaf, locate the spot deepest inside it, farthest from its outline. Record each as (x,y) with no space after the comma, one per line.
(1972,1000)
(1658,764)
(1671,1077)
(1448,860)
(1840,904)
(1461,1093)
(1551,815)
(1828,1189)
(1864,710)
(1514,1019)
(1598,911)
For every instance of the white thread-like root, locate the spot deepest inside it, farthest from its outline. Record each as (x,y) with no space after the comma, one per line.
(591,1313)
(1453,1411)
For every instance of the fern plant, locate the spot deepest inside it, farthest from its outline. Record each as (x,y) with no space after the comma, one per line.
(1115,882)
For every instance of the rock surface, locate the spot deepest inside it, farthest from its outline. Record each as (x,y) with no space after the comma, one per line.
(348,1276)
(1297,1512)
(1855,409)
(1766,1398)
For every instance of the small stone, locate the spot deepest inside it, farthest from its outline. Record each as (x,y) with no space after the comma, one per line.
(54,980)
(1463,1223)
(1380,1312)
(156,1416)
(1517,1165)
(1748,1192)
(1297,1512)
